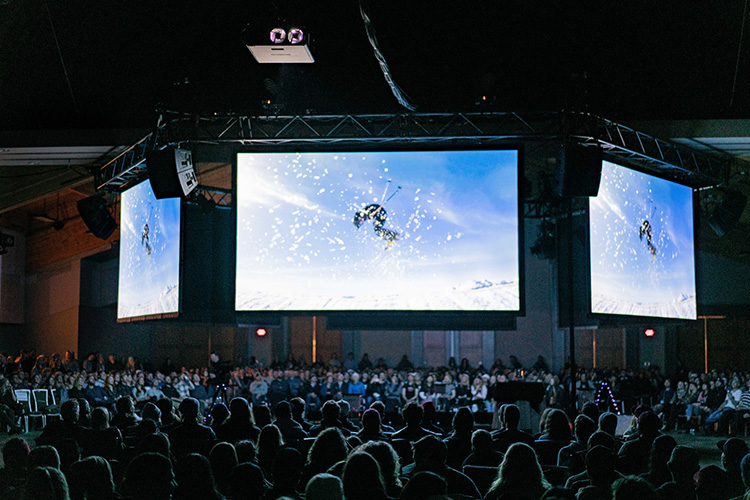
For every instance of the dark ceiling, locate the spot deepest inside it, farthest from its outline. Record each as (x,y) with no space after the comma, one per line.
(111,64)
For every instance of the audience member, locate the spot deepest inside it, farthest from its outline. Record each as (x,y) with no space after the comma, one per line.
(44,456)
(328,449)
(510,433)
(413,431)
(223,459)
(733,450)
(269,442)
(195,479)
(634,454)
(658,470)
(286,472)
(371,430)
(362,478)
(46,483)
(424,485)
(430,455)
(388,461)
(519,476)
(632,487)
(246,482)
(149,476)
(13,475)
(291,431)
(458,442)
(240,424)
(482,452)
(91,479)
(683,464)
(324,486)
(572,455)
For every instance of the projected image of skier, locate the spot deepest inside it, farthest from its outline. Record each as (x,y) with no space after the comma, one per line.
(378,231)
(149,254)
(642,250)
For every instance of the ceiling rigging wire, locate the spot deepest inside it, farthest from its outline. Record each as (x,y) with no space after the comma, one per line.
(739,52)
(62,61)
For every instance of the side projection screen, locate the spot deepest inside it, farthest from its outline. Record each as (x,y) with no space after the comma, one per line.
(378,231)
(149,254)
(642,246)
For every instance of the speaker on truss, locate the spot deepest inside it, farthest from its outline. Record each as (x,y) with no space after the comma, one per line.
(95,214)
(579,170)
(171,172)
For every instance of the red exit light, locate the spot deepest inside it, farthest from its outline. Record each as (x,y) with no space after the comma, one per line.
(649,332)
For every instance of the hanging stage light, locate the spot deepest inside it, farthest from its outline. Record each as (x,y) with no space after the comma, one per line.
(277,35)
(296,36)
(279,45)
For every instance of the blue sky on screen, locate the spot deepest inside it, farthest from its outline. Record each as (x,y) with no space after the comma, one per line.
(623,267)
(149,265)
(456,214)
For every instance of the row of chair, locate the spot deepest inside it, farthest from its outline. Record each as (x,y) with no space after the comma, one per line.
(38,403)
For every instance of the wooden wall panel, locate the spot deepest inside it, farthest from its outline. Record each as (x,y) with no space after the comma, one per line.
(48,245)
(435,348)
(470,347)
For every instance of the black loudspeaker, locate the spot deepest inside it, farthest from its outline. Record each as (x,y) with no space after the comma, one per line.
(579,170)
(96,216)
(171,172)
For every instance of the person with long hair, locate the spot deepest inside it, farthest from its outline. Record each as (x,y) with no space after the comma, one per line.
(269,442)
(328,449)
(389,462)
(519,476)
(363,479)
(46,483)
(478,394)
(240,424)
(91,479)
(556,427)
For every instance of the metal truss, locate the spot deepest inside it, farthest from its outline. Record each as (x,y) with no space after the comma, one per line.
(419,129)
(210,197)
(128,167)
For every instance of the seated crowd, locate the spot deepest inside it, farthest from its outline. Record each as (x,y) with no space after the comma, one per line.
(299,438)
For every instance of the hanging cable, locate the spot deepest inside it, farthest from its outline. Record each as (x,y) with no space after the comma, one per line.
(739,52)
(62,61)
(401,97)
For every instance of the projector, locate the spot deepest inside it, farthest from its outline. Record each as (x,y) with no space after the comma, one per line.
(281,45)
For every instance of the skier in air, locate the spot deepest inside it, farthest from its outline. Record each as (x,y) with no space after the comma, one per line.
(645,230)
(378,215)
(145,241)
(376,212)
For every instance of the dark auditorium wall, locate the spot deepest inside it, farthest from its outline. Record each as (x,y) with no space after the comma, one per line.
(727,344)
(12,338)
(12,279)
(150,340)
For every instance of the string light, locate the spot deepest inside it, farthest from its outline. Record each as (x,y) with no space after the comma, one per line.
(600,399)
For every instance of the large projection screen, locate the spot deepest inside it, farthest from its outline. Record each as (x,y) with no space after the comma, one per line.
(378,231)
(642,246)
(149,275)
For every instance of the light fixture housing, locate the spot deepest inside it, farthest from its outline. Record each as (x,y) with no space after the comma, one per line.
(280,45)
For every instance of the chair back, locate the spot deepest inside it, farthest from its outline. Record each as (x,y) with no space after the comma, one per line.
(41,399)
(23,396)
(556,475)
(482,476)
